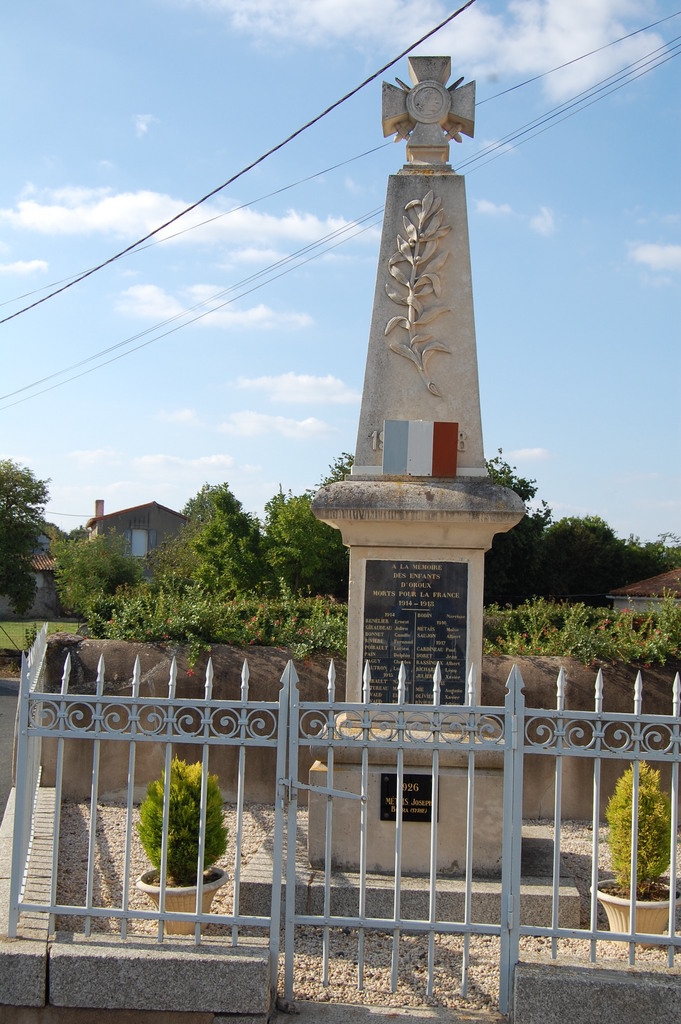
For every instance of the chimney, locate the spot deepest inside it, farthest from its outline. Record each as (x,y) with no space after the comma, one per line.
(99,507)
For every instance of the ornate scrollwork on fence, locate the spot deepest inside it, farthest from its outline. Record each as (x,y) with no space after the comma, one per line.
(261,724)
(145,719)
(389,724)
(600,736)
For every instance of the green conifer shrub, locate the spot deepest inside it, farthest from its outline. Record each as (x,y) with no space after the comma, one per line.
(654,831)
(183,822)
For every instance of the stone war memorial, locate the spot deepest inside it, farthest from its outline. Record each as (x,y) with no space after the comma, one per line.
(419,510)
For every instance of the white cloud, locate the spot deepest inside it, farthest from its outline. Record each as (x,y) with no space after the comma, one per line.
(527,37)
(255,424)
(83,211)
(143,123)
(150,302)
(184,416)
(530,454)
(96,456)
(302,388)
(162,465)
(252,255)
(657,257)
(23,267)
(543,222)
(492,209)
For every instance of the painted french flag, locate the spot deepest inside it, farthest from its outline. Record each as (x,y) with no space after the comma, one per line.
(420,448)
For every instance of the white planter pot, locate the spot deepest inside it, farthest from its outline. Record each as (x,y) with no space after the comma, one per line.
(182,899)
(651,917)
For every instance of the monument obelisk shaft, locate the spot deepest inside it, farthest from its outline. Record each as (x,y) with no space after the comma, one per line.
(419,510)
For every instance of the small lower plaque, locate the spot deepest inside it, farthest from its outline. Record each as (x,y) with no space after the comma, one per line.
(417,797)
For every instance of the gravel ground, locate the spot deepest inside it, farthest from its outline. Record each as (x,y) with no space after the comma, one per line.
(449,950)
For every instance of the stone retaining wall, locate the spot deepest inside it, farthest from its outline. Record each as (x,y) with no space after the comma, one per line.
(266,666)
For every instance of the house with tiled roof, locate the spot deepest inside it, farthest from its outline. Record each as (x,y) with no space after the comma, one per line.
(648,594)
(145,527)
(46,602)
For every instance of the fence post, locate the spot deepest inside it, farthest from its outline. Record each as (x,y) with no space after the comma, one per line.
(291,826)
(514,731)
(278,837)
(26,775)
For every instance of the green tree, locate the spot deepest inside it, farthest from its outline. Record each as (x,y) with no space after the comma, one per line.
(339,469)
(583,559)
(22,503)
(513,564)
(651,558)
(89,571)
(228,542)
(307,554)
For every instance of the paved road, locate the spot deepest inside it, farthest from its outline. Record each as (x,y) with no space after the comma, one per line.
(9,689)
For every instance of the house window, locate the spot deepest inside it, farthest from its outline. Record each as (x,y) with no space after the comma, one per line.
(139,543)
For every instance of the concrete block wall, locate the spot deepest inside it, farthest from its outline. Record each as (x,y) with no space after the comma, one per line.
(558,993)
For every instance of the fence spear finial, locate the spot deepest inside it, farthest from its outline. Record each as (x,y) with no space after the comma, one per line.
(437,680)
(470,687)
(66,674)
(598,700)
(638,693)
(366,683)
(402,684)
(136,677)
(208,689)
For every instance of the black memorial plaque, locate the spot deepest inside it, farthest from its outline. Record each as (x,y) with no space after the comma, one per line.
(417,797)
(416,613)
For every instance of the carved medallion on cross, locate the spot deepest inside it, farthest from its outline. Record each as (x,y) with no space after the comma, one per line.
(429,113)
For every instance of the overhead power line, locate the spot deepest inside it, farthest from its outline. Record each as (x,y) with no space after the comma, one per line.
(284,266)
(314,249)
(575,60)
(630,73)
(215,217)
(244,170)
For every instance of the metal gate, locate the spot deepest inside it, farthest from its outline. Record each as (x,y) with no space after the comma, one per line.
(365,734)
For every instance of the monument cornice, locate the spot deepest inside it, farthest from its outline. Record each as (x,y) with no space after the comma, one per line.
(418,499)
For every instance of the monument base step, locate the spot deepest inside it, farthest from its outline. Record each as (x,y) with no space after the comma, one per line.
(535,894)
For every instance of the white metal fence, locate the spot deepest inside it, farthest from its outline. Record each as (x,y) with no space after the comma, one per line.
(365,733)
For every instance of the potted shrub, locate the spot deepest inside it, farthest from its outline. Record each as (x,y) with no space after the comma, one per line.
(183,841)
(653,852)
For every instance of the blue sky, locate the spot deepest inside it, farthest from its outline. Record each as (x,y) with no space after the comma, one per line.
(115,117)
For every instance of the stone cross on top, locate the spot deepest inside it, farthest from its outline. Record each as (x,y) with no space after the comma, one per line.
(429,114)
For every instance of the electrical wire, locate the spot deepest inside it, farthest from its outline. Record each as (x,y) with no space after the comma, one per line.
(210,220)
(531,129)
(244,170)
(630,73)
(373,217)
(575,60)
(343,233)
(577,103)
(140,246)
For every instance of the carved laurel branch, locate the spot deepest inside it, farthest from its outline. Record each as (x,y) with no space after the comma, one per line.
(415,268)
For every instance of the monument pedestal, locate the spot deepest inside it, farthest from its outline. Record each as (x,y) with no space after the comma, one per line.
(417,552)
(416,823)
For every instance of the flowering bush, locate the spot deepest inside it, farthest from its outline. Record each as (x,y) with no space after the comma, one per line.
(196,620)
(542,627)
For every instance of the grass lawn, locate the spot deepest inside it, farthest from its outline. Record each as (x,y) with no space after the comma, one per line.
(13,631)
